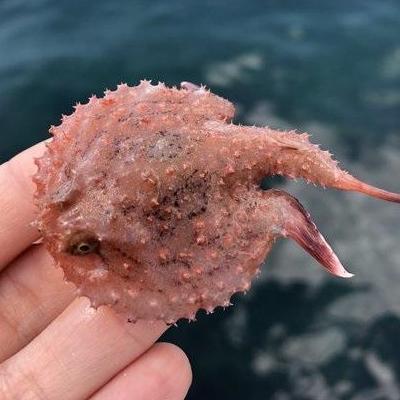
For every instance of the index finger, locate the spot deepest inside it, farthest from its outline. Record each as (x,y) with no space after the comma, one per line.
(17,210)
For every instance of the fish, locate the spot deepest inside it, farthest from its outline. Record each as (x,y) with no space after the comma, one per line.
(149,199)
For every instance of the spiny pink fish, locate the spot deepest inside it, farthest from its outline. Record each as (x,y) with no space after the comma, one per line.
(149,199)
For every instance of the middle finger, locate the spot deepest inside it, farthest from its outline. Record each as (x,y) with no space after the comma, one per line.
(77,353)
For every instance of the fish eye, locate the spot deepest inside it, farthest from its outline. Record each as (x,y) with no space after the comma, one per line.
(83,246)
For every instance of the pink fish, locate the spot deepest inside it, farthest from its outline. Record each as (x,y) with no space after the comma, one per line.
(149,199)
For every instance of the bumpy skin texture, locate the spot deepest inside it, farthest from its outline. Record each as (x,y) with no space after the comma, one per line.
(149,200)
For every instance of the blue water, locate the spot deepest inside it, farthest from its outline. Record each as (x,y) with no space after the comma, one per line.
(331,68)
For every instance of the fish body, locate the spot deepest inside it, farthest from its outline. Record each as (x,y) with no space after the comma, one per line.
(149,199)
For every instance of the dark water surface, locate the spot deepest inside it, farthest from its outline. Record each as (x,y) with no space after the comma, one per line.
(331,68)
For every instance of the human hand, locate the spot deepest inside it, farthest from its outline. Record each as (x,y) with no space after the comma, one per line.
(53,345)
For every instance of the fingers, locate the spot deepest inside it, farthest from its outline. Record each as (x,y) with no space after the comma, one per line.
(17,210)
(32,293)
(77,353)
(163,372)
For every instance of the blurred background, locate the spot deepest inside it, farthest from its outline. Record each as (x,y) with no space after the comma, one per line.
(331,68)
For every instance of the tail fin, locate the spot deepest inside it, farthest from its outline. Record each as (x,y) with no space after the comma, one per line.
(348,182)
(297,157)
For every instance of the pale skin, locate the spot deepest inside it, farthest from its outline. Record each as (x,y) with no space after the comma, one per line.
(53,345)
